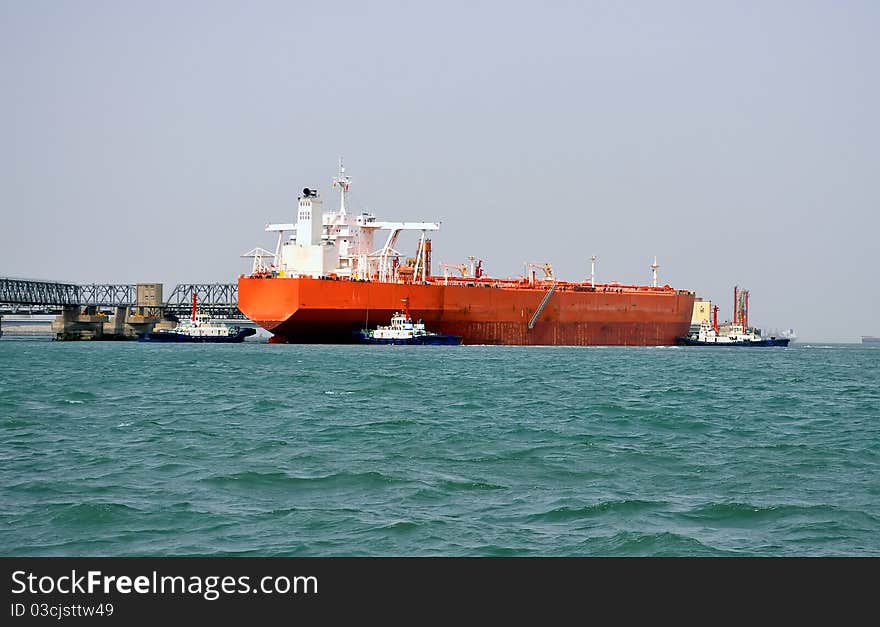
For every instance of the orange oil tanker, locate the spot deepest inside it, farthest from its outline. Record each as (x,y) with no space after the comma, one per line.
(327,280)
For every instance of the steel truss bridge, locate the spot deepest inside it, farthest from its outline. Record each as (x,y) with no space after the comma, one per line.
(220,300)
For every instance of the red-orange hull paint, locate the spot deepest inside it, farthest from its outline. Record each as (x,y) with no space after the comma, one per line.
(327,311)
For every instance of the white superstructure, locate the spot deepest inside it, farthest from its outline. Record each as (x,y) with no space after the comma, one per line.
(336,244)
(201,325)
(736,333)
(401,328)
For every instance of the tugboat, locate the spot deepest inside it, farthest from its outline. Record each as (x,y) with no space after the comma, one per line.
(737,334)
(708,335)
(403,330)
(198,328)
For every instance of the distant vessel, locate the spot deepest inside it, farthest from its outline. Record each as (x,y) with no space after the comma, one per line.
(870,339)
(403,330)
(737,333)
(198,328)
(784,333)
(789,333)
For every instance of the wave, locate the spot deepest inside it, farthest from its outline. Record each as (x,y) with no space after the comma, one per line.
(16,423)
(268,404)
(251,479)
(76,397)
(86,514)
(565,514)
(400,526)
(453,485)
(659,544)
(741,513)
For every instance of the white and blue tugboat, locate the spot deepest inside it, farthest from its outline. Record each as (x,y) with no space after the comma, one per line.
(403,330)
(198,328)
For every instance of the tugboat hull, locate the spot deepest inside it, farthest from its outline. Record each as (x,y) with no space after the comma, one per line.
(779,341)
(439,339)
(170,337)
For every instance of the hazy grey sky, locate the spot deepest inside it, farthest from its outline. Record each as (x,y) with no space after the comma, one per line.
(737,141)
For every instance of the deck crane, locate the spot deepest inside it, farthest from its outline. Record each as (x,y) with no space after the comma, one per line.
(461,267)
(546,267)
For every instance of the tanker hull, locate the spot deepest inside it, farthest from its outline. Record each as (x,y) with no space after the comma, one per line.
(307,310)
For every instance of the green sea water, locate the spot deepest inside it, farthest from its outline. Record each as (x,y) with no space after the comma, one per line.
(257,449)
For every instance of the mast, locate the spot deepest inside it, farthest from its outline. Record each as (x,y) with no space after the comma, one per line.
(194,307)
(735,302)
(654,268)
(593,261)
(740,307)
(343,183)
(422,258)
